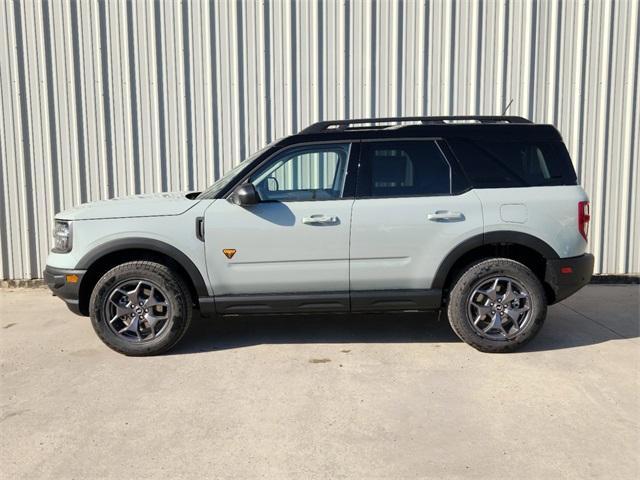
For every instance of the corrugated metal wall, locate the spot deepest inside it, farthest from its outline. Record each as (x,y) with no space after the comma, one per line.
(107,98)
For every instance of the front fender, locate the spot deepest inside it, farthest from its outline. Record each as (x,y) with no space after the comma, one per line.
(150,244)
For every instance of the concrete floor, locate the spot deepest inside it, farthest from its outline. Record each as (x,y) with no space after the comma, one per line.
(322,397)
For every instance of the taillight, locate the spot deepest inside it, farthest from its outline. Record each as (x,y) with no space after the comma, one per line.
(583,218)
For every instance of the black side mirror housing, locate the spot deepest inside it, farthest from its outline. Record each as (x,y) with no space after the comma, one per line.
(245,195)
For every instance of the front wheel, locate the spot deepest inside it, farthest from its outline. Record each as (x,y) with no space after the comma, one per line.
(497,305)
(140,308)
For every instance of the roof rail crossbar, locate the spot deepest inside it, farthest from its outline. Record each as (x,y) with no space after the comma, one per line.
(344,124)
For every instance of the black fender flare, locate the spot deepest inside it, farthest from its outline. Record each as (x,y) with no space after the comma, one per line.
(142,243)
(501,236)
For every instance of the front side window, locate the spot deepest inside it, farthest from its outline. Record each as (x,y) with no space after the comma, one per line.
(303,174)
(403,168)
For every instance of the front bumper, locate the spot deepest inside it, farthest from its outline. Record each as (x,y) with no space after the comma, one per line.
(59,281)
(566,276)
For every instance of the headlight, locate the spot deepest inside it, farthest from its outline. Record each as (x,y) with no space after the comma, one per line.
(61,236)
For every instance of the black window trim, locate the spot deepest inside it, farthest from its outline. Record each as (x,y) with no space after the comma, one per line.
(350,177)
(471,185)
(456,168)
(437,141)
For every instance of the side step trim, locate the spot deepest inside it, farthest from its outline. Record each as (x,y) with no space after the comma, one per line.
(283,303)
(398,300)
(329,302)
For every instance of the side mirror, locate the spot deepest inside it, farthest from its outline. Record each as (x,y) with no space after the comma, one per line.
(245,194)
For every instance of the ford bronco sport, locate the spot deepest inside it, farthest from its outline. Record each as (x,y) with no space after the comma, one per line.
(480,217)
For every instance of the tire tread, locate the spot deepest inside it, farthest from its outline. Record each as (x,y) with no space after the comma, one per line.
(173,281)
(457,299)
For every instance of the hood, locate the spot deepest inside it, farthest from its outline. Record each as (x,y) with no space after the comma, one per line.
(146,205)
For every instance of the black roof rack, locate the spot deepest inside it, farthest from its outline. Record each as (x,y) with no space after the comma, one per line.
(330,125)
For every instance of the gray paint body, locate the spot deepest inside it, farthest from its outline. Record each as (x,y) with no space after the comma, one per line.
(376,244)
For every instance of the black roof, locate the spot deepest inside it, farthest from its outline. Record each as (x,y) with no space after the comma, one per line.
(478,127)
(460,128)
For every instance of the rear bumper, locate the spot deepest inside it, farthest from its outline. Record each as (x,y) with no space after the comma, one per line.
(68,291)
(566,276)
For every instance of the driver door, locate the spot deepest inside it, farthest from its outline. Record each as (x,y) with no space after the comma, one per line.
(290,251)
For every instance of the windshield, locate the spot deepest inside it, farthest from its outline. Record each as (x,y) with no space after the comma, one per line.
(229,176)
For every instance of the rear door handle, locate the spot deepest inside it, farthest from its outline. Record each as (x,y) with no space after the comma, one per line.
(445,215)
(320,220)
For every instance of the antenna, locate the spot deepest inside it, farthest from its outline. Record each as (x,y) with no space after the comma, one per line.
(507,108)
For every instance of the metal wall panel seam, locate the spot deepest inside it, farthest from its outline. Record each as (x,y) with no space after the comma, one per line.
(25,208)
(603,138)
(632,153)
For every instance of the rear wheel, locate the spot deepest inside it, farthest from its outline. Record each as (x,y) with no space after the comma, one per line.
(497,305)
(140,308)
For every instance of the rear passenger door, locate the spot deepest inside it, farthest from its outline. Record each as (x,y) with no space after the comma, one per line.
(405,220)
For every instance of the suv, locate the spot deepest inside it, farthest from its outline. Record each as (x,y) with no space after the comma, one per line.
(479,217)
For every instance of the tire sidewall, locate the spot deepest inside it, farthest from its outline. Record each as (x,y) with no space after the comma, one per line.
(176,295)
(457,307)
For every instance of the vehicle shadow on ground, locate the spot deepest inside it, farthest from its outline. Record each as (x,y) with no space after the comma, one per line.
(208,334)
(562,330)
(565,327)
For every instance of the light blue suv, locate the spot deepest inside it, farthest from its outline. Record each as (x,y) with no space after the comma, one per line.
(481,217)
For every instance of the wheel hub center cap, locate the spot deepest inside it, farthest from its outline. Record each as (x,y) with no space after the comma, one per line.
(138,310)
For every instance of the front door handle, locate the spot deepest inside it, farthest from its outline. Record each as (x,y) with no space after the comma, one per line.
(320,220)
(445,215)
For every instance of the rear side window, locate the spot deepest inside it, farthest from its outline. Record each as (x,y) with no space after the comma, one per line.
(403,169)
(493,164)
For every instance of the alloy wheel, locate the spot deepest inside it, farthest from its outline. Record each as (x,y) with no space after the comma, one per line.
(499,308)
(138,310)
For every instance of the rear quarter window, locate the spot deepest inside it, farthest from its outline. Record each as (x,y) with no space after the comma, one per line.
(500,164)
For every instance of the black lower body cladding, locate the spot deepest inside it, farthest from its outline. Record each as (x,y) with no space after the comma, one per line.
(566,276)
(58,281)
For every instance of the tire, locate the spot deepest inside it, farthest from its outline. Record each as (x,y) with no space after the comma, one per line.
(502,324)
(140,308)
